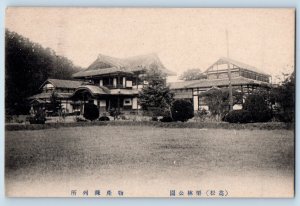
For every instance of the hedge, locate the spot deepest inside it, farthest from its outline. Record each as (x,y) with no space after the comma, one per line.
(199,125)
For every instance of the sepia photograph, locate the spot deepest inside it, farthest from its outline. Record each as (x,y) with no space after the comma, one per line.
(150,102)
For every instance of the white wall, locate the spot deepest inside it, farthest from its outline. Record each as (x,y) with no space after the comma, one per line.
(135,103)
(102,103)
(196,103)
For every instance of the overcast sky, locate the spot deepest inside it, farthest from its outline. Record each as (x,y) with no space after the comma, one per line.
(182,38)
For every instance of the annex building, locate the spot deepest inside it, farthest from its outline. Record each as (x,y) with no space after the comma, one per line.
(244,79)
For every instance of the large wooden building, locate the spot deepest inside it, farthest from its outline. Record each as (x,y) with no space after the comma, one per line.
(110,83)
(244,78)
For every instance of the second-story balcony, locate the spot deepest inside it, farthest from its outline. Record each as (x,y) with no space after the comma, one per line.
(118,86)
(121,86)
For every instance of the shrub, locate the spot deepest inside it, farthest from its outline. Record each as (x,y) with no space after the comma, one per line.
(182,110)
(258,108)
(8,118)
(38,118)
(166,119)
(285,116)
(154,119)
(114,113)
(123,117)
(75,113)
(238,116)
(202,114)
(91,112)
(104,118)
(80,119)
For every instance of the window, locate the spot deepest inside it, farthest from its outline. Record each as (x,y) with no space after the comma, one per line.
(48,87)
(106,81)
(127,101)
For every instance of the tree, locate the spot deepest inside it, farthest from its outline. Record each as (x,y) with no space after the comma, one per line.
(284,97)
(39,117)
(156,97)
(218,100)
(27,66)
(258,107)
(192,74)
(55,105)
(182,110)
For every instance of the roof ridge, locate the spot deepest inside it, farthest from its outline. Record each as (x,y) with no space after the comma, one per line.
(241,64)
(153,54)
(129,64)
(73,80)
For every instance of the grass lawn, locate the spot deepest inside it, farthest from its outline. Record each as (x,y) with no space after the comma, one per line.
(148,161)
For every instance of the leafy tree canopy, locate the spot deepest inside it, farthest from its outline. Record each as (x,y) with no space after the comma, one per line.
(218,100)
(156,96)
(284,96)
(192,74)
(27,66)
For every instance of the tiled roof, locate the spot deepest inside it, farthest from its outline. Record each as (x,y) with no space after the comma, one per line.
(106,64)
(204,83)
(181,84)
(61,83)
(94,90)
(96,72)
(47,95)
(183,96)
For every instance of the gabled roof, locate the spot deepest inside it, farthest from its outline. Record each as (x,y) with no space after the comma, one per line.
(47,95)
(61,83)
(204,83)
(104,61)
(182,84)
(106,65)
(240,65)
(93,90)
(146,62)
(95,72)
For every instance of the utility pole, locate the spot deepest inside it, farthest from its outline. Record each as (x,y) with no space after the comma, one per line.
(229,76)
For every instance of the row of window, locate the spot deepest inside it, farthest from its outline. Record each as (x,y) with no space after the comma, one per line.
(243,73)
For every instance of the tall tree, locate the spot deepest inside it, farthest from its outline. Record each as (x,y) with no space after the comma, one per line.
(284,96)
(192,74)
(156,97)
(27,66)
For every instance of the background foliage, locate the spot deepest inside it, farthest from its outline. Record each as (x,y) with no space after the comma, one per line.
(156,97)
(192,74)
(27,66)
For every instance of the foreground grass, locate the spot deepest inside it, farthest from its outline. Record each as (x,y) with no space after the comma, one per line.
(131,156)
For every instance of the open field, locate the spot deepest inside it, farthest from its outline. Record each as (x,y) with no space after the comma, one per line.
(149,161)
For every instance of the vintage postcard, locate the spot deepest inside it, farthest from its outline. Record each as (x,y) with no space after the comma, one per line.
(149,102)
